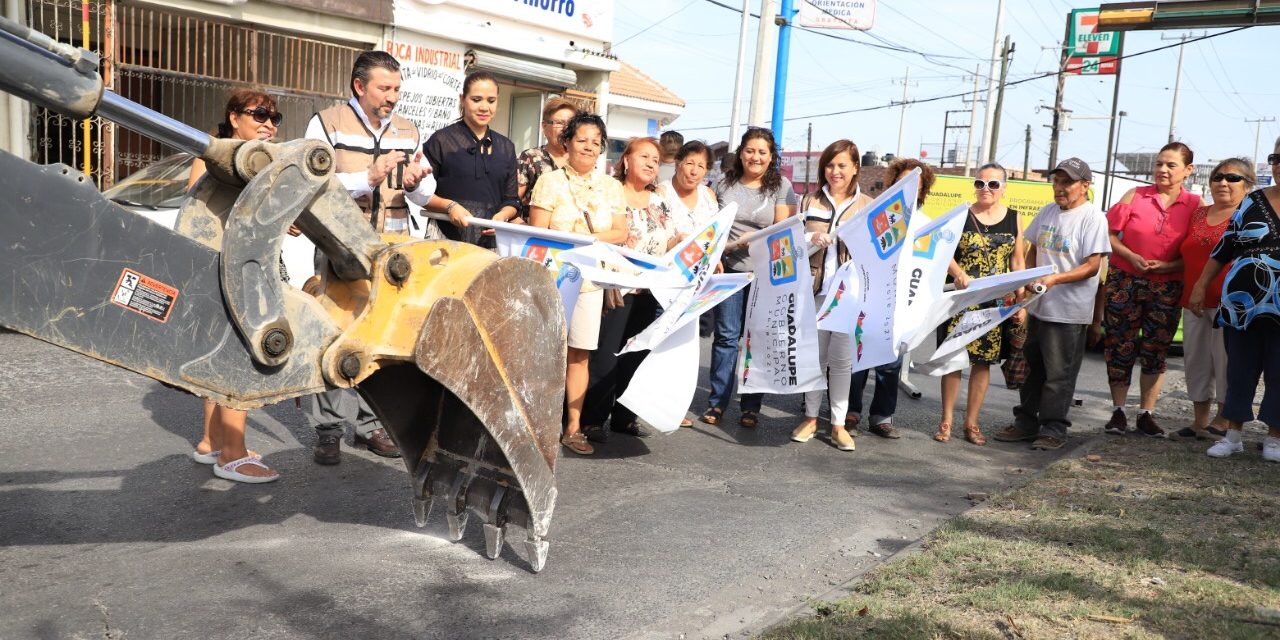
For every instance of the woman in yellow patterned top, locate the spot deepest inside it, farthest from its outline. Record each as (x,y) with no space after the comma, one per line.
(990,244)
(581,199)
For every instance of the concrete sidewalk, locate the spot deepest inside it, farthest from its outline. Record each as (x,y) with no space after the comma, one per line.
(108,530)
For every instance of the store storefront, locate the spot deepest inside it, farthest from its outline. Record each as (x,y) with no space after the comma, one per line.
(536,50)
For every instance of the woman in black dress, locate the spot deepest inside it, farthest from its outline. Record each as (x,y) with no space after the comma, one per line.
(475,167)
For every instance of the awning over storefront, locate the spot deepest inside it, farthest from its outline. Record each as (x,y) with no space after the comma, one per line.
(522,71)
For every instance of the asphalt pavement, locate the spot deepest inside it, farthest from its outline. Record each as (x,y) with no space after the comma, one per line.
(109,530)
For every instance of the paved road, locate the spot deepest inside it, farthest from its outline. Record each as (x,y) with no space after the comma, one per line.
(108,530)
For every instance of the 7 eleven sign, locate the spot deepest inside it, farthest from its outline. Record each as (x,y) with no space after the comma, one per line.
(1086,40)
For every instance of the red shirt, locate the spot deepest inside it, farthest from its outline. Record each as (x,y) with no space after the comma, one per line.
(1196,247)
(1152,230)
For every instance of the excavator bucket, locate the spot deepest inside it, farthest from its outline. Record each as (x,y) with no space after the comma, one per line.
(461,353)
(476,414)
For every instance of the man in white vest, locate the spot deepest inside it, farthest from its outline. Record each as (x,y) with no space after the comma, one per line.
(372,153)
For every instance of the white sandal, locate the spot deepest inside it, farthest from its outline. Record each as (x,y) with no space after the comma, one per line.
(228,471)
(212,456)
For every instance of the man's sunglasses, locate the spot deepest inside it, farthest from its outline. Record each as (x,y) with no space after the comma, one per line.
(261,115)
(990,185)
(1229,177)
(1273,159)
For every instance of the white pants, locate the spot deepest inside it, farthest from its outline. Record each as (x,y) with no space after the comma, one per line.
(1204,358)
(835,356)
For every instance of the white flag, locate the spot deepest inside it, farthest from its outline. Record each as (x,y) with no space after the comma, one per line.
(685,308)
(924,272)
(973,325)
(663,385)
(779,353)
(979,291)
(861,300)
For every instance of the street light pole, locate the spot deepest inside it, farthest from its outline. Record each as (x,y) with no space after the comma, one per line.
(736,111)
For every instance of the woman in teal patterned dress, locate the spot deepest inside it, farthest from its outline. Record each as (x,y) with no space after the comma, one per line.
(991,244)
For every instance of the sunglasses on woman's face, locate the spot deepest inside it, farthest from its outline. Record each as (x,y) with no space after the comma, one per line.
(1229,177)
(261,115)
(1273,159)
(989,185)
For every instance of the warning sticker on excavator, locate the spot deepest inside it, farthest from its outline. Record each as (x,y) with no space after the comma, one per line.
(147,296)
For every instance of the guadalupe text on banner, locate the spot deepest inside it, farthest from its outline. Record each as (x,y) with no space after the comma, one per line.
(923,273)
(779,352)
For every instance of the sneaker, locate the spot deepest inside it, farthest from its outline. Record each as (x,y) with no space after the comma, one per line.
(1225,447)
(1271,449)
(844,441)
(1118,424)
(1147,426)
(1047,443)
(805,431)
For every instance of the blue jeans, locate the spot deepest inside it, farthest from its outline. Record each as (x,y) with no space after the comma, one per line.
(729,317)
(884,401)
(1253,353)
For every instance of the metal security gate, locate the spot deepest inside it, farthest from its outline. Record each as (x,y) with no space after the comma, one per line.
(184,67)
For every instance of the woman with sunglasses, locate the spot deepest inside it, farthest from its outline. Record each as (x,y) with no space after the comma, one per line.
(1143,289)
(764,197)
(249,115)
(990,244)
(579,198)
(1204,353)
(474,166)
(532,163)
(1249,314)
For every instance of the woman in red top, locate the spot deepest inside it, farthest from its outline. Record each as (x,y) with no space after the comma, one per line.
(1204,353)
(1144,284)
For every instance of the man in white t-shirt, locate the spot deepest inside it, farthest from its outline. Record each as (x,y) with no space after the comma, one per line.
(1070,235)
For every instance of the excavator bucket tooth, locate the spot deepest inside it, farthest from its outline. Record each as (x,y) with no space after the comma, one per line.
(421,511)
(477,414)
(537,548)
(492,541)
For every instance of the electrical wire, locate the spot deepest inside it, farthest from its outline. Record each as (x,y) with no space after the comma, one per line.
(965,93)
(668,17)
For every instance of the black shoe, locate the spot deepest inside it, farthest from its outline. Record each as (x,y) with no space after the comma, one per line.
(1118,425)
(596,434)
(328,449)
(629,428)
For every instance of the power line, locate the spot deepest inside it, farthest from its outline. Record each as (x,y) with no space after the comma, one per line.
(966,93)
(668,17)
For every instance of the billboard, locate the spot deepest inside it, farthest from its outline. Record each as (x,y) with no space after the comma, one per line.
(837,14)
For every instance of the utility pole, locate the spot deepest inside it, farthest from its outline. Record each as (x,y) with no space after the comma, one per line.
(946,127)
(780,71)
(1257,136)
(1057,100)
(902,117)
(987,114)
(808,160)
(1004,74)
(1111,131)
(1111,167)
(973,119)
(1026,154)
(766,49)
(1177,82)
(735,114)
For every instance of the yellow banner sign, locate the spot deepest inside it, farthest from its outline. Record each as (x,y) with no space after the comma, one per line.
(1024,196)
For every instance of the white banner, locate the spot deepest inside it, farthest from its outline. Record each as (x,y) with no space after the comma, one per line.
(663,385)
(979,291)
(685,308)
(862,299)
(924,272)
(779,352)
(973,325)
(838,14)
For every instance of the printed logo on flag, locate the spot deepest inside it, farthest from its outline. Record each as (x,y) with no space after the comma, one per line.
(569,273)
(927,245)
(707,298)
(695,254)
(782,258)
(544,251)
(857,334)
(888,225)
(746,358)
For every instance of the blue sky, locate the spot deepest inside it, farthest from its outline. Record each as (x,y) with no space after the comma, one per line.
(1224,79)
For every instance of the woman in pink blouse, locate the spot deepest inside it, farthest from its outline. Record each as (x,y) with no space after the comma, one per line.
(1144,284)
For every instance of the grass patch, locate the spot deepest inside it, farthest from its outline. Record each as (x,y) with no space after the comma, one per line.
(1147,540)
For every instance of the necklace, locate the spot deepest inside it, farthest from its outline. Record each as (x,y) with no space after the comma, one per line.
(984,228)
